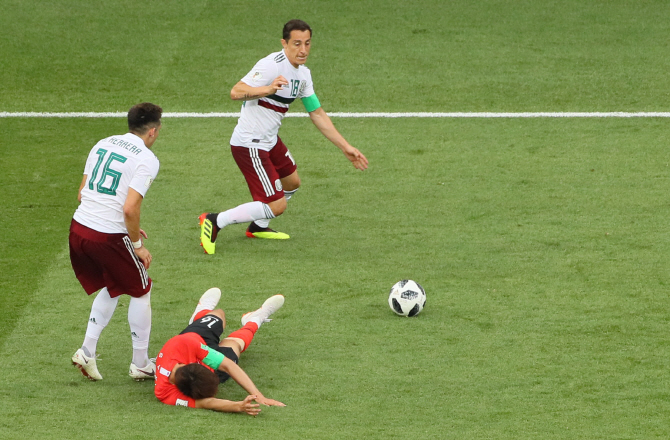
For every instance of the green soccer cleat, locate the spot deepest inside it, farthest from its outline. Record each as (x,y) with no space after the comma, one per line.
(255,231)
(208,232)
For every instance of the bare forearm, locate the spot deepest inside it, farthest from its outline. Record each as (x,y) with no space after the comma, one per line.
(220,405)
(322,121)
(131,213)
(239,376)
(248,405)
(244,92)
(132,220)
(324,124)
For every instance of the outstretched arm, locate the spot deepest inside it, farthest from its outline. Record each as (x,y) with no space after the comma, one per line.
(236,372)
(246,406)
(244,92)
(322,121)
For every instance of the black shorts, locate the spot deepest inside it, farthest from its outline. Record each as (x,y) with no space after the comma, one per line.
(210,328)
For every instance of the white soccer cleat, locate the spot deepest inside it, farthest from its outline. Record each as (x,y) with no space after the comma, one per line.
(139,374)
(208,301)
(86,365)
(270,306)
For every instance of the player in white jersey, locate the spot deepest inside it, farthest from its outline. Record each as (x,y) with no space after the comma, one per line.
(106,247)
(268,167)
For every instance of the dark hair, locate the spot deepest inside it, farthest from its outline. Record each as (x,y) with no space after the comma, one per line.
(295,25)
(142,117)
(196,381)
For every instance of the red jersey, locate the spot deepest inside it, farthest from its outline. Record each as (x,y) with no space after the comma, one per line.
(188,348)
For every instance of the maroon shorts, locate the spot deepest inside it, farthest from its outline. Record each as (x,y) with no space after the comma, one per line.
(264,169)
(106,260)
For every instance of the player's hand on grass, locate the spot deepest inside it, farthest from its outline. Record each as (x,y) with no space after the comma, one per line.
(268,402)
(356,157)
(248,406)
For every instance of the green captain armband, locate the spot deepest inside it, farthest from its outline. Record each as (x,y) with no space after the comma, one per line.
(213,358)
(311,103)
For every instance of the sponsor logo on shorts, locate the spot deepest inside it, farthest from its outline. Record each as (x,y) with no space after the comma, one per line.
(278,185)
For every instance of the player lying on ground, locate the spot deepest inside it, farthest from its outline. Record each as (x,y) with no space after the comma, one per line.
(191,365)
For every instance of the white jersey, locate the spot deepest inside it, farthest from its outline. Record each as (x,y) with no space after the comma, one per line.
(260,119)
(114,165)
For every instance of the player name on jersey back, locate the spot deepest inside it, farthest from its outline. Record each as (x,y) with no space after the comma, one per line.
(114,165)
(132,148)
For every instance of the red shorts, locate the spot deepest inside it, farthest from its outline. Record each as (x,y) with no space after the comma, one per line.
(106,260)
(264,169)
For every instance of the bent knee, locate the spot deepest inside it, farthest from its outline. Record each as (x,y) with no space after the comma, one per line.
(278,206)
(219,313)
(293,185)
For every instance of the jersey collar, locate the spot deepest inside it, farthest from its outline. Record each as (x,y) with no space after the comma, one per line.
(139,141)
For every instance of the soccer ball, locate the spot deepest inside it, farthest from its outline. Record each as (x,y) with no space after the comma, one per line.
(407,298)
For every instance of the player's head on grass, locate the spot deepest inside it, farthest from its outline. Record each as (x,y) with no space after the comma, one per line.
(196,381)
(144,120)
(296,40)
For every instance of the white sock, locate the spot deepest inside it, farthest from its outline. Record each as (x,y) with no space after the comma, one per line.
(259,320)
(262,223)
(260,316)
(139,318)
(101,312)
(289,194)
(245,213)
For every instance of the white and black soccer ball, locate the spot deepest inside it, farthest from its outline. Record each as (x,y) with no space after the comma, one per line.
(407,298)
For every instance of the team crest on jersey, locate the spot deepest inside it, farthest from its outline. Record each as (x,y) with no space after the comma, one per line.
(256,76)
(278,185)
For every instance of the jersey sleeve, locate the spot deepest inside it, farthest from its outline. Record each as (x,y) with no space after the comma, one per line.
(306,89)
(211,358)
(311,103)
(263,73)
(145,175)
(177,398)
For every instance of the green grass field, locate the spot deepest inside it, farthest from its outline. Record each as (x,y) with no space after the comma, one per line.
(541,243)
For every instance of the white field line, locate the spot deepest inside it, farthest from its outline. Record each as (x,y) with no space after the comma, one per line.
(356,115)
